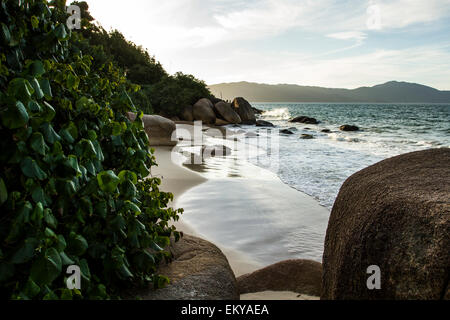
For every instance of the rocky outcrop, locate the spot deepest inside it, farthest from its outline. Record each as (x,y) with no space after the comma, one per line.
(187,113)
(286,131)
(347,127)
(257,111)
(301,276)
(395,215)
(244,110)
(199,271)
(220,122)
(224,111)
(262,123)
(304,119)
(159,129)
(203,111)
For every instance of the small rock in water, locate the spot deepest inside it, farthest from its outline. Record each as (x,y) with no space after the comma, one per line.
(262,123)
(304,119)
(286,131)
(326,131)
(347,127)
(306,136)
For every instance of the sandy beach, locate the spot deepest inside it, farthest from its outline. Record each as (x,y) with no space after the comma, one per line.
(216,186)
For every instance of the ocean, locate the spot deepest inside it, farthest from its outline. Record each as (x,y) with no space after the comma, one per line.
(319,166)
(250,202)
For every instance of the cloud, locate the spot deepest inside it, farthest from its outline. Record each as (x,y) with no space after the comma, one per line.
(348,35)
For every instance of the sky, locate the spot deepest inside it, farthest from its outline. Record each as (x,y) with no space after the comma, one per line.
(329,43)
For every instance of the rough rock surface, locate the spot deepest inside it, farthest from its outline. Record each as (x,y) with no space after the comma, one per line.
(263,123)
(244,110)
(187,113)
(396,215)
(301,276)
(158,129)
(203,111)
(199,271)
(224,111)
(286,131)
(347,127)
(304,119)
(306,136)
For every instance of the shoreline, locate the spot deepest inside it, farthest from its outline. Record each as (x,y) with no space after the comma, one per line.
(177,180)
(180,179)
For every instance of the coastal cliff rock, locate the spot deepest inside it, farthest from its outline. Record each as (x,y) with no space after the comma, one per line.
(347,127)
(226,112)
(244,110)
(199,271)
(159,129)
(203,110)
(395,215)
(301,276)
(304,119)
(187,113)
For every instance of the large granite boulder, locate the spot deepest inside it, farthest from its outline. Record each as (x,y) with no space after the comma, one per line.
(158,129)
(244,110)
(203,111)
(187,113)
(301,276)
(224,111)
(199,271)
(394,215)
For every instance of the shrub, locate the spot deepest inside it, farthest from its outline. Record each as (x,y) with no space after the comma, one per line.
(72,184)
(173,93)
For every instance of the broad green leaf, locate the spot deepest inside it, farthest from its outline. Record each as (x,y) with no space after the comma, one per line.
(25,252)
(32,170)
(50,219)
(46,268)
(21,89)
(38,144)
(48,112)
(38,213)
(60,32)
(3,192)
(132,207)
(39,195)
(34,22)
(37,68)
(34,107)
(37,88)
(49,133)
(65,259)
(108,181)
(72,81)
(6,34)
(77,245)
(127,175)
(46,88)
(15,116)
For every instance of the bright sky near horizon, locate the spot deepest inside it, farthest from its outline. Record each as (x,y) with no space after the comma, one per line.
(330,43)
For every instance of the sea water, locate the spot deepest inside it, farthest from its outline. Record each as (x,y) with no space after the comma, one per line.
(319,166)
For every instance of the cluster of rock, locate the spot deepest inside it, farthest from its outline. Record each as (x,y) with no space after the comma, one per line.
(221,112)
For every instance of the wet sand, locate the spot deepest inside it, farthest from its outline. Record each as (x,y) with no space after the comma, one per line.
(245,210)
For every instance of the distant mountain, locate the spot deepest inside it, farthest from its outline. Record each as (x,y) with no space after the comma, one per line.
(392,91)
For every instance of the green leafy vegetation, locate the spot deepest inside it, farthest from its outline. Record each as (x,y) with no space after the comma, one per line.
(73,184)
(161,93)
